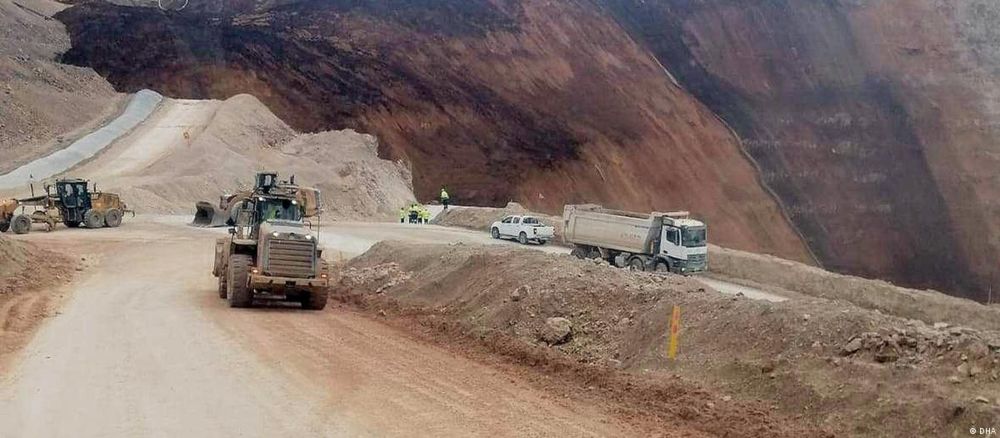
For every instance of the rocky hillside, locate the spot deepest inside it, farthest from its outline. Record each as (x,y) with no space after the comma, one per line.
(43,104)
(874,123)
(546,102)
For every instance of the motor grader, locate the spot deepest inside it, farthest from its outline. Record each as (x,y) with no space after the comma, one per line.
(70,202)
(271,252)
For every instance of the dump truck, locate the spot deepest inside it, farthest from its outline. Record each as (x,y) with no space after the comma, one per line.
(661,242)
(70,202)
(271,252)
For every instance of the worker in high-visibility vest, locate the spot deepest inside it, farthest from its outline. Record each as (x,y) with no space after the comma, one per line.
(402,214)
(414,213)
(425,215)
(445,199)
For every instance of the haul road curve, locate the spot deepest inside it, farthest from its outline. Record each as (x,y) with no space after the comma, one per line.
(143,347)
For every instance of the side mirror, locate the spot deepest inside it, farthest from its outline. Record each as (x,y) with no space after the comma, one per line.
(232,230)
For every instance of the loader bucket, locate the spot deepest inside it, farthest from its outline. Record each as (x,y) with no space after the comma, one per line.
(207,215)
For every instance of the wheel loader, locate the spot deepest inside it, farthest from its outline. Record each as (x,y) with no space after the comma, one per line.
(70,202)
(271,252)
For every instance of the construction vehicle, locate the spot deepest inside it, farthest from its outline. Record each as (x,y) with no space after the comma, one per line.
(224,213)
(661,242)
(71,202)
(271,252)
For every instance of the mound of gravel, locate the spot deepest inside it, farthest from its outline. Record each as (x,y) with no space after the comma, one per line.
(826,360)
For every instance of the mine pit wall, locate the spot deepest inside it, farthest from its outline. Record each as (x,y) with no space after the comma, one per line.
(875,122)
(547,102)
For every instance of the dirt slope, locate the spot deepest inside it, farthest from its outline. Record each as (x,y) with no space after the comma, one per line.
(30,282)
(536,101)
(828,364)
(197,150)
(36,92)
(875,122)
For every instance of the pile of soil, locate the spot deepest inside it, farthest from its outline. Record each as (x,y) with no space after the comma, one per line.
(44,105)
(231,140)
(480,218)
(924,305)
(29,282)
(829,364)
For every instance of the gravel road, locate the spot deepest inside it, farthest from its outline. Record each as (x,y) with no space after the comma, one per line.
(145,348)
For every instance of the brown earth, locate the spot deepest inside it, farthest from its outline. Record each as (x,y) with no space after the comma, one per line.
(543,102)
(818,363)
(190,151)
(44,104)
(31,279)
(875,122)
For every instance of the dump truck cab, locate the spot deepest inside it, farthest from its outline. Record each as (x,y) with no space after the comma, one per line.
(271,252)
(684,242)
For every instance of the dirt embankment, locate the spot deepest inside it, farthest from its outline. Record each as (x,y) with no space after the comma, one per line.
(44,105)
(818,363)
(925,305)
(29,280)
(193,151)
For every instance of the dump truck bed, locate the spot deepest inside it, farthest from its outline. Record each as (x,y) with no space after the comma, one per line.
(612,229)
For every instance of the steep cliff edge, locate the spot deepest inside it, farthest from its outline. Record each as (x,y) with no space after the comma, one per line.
(544,102)
(875,122)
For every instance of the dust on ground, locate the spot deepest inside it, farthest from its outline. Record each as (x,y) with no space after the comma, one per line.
(30,289)
(813,363)
(44,105)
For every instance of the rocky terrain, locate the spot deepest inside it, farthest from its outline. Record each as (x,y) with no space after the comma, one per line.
(44,104)
(844,369)
(542,102)
(871,122)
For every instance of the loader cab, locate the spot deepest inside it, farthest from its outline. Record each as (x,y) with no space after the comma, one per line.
(74,196)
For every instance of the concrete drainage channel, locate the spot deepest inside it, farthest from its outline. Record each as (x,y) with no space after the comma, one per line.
(137,111)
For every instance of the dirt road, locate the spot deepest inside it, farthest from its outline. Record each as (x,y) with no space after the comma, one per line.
(144,348)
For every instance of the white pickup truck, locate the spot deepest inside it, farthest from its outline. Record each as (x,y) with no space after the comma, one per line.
(523,228)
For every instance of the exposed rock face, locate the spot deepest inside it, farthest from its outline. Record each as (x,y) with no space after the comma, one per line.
(875,122)
(546,102)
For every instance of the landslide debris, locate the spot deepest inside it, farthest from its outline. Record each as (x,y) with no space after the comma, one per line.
(825,362)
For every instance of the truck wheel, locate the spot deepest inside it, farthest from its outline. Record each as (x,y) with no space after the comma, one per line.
(72,224)
(522,238)
(579,252)
(93,219)
(4,226)
(222,286)
(21,224)
(495,233)
(542,241)
(636,264)
(113,219)
(316,300)
(237,289)
(662,268)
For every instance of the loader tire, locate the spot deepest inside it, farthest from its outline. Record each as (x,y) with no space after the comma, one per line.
(316,299)
(237,289)
(72,224)
(113,218)
(21,224)
(93,219)
(222,286)
(4,226)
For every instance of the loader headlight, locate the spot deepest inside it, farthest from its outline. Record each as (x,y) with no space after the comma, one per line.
(309,237)
(275,234)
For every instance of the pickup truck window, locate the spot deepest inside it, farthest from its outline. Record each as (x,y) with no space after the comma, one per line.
(530,220)
(516,220)
(506,220)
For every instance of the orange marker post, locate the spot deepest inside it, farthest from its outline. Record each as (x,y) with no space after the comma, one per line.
(675,329)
